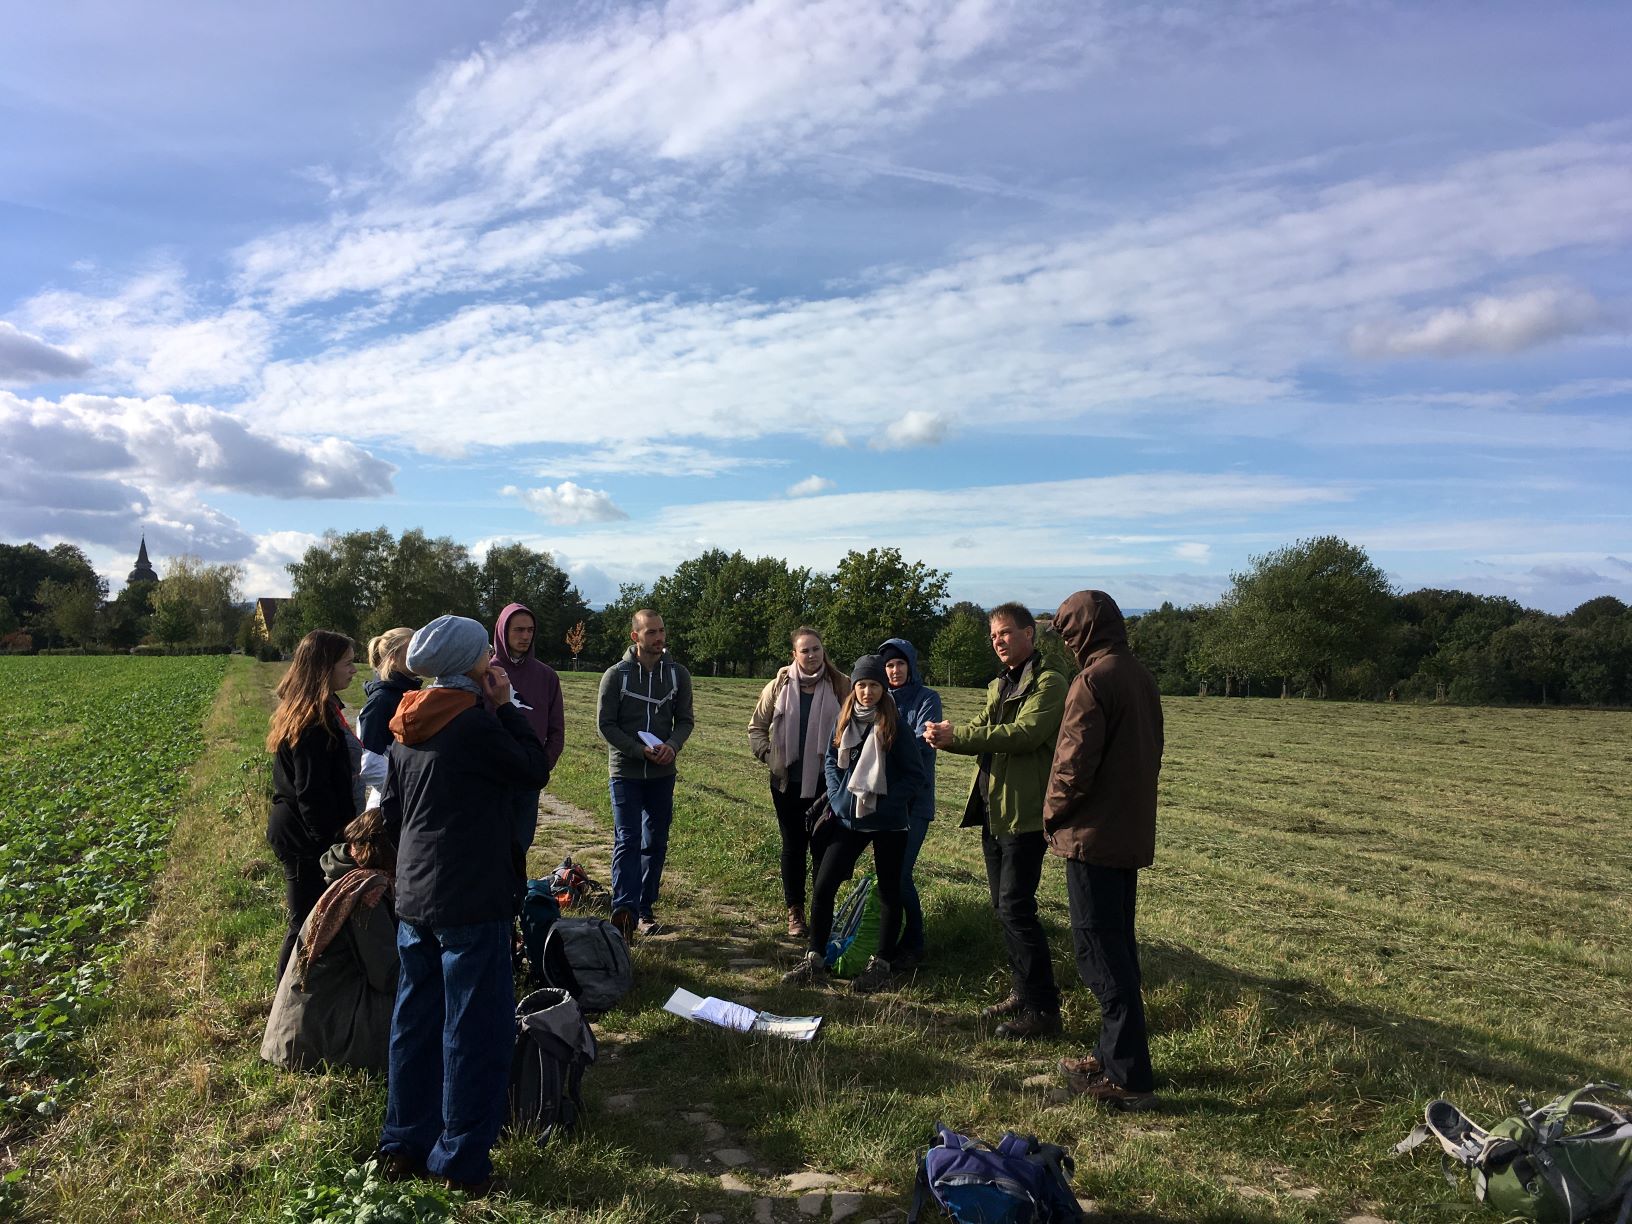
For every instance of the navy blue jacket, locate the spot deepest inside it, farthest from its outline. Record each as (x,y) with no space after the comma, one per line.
(383,698)
(903,775)
(917,705)
(449,797)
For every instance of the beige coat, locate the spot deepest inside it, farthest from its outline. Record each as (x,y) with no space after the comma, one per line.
(761,740)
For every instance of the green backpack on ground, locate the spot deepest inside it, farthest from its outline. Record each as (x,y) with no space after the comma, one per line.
(856,933)
(1567,1161)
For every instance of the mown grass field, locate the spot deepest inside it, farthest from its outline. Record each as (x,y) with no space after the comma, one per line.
(1353,908)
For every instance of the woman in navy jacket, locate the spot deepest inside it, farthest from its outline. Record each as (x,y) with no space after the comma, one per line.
(874,772)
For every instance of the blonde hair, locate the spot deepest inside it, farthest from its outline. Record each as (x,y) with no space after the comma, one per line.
(386,653)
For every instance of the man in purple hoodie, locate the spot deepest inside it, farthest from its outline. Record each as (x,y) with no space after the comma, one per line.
(537,692)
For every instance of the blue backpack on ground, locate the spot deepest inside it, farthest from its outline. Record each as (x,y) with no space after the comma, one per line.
(539,910)
(1020,1181)
(856,934)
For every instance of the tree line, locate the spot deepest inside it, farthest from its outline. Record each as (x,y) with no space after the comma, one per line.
(1316,618)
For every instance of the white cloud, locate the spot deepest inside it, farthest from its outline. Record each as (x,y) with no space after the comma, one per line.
(1191,550)
(568,503)
(1489,324)
(25,358)
(646,458)
(101,469)
(809,486)
(1222,303)
(150,335)
(265,569)
(916,428)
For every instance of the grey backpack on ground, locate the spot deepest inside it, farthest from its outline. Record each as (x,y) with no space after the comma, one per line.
(1567,1161)
(587,958)
(554,1046)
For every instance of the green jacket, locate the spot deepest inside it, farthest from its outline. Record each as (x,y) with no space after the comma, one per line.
(1019,733)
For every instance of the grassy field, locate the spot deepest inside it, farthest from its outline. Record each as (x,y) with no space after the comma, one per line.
(1353,908)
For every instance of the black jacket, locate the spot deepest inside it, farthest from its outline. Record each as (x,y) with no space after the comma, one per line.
(374,723)
(449,796)
(312,796)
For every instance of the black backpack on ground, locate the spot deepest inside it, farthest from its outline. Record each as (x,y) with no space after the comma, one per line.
(554,1045)
(586,957)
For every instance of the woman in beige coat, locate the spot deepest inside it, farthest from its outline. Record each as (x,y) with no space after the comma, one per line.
(789,731)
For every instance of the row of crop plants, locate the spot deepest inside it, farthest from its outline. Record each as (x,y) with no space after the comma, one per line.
(93,757)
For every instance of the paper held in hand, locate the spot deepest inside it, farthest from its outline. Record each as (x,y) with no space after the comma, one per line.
(735,1016)
(650,740)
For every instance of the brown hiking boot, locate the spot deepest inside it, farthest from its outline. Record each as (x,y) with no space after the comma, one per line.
(1029,1025)
(1084,1068)
(1106,1091)
(398,1167)
(797,928)
(1011,1006)
(872,979)
(624,921)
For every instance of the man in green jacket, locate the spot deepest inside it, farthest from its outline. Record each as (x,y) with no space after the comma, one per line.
(1014,740)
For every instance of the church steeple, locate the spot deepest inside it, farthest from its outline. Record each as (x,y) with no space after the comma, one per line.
(144,568)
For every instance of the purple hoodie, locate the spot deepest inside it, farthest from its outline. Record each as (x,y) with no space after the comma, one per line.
(535,685)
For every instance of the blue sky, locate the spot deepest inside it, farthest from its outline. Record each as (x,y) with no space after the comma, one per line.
(1049,295)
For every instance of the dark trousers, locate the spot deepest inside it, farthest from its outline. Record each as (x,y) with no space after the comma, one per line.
(839,863)
(642,811)
(526,825)
(303,884)
(912,910)
(1102,911)
(451,1036)
(1014,866)
(798,866)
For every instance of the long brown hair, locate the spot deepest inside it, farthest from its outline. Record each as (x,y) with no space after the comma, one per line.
(303,693)
(884,722)
(835,677)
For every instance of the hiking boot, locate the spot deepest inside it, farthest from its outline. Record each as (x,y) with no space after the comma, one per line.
(649,926)
(398,1166)
(1082,1069)
(624,922)
(810,971)
(1011,1006)
(872,979)
(1103,1090)
(477,1189)
(1029,1025)
(905,961)
(797,928)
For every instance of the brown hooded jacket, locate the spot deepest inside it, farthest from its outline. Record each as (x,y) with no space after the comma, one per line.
(1101,801)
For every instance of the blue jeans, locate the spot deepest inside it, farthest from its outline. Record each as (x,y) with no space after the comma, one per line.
(912,927)
(642,810)
(451,1037)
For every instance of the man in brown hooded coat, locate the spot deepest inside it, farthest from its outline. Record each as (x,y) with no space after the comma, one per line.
(1100,816)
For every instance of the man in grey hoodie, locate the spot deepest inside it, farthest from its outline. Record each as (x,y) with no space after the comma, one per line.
(645,717)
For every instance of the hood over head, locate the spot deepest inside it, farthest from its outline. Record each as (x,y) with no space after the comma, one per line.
(501,649)
(1090,622)
(905,649)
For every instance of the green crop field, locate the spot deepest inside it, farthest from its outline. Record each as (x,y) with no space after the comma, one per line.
(92,761)
(1354,908)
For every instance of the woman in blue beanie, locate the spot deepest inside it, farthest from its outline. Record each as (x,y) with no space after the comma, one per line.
(874,771)
(454,768)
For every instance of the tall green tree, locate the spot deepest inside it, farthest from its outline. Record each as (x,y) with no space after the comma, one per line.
(961,653)
(424,577)
(336,584)
(609,628)
(1311,608)
(875,595)
(71,609)
(197,603)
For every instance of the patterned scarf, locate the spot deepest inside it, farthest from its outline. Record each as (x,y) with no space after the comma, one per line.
(359,886)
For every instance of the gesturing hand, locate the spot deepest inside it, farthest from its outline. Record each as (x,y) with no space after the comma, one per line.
(938,734)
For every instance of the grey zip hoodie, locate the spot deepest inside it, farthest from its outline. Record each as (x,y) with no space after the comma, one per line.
(635,699)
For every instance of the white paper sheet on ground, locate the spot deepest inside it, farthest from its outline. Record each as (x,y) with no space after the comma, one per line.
(734,1016)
